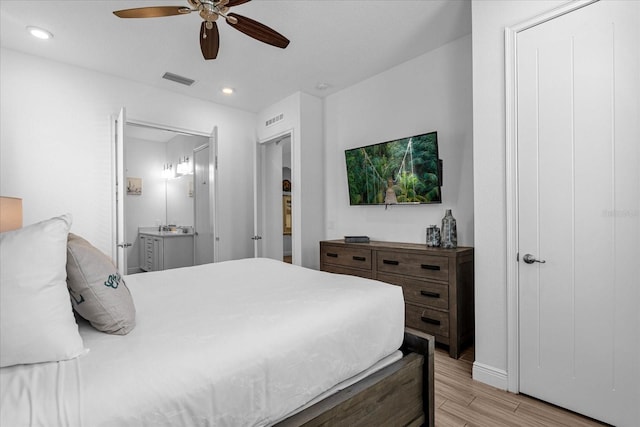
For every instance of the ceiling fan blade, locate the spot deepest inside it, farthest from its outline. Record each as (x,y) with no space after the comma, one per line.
(236,2)
(258,31)
(152,12)
(209,40)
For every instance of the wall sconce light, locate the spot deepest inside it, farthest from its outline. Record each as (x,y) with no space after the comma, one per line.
(167,171)
(10,213)
(184,166)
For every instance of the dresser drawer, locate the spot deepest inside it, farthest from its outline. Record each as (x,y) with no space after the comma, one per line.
(428,294)
(417,265)
(346,256)
(346,270)
(427,320)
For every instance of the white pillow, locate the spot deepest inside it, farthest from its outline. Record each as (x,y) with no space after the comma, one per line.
(36,318)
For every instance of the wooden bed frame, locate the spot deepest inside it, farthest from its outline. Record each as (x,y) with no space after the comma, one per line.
(402,394)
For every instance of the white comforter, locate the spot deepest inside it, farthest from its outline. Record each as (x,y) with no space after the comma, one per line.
(238,343)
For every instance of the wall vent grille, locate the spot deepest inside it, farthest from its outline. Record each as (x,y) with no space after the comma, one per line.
(178,79)
(272,121)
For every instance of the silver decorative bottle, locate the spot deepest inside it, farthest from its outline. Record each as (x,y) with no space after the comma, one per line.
(433,236)
(449,231)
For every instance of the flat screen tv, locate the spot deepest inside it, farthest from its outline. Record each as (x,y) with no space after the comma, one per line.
(404,171)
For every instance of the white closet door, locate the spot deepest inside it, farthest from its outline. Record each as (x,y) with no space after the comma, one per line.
(578,191)
(203,224)
(268,200)
(121,191)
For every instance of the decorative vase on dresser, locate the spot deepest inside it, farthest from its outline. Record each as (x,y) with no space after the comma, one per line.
(437,283)
(449,231)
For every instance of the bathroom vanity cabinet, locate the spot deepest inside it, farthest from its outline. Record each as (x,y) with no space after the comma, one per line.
(162,250)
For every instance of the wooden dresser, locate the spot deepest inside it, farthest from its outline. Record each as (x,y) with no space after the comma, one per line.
(437,283)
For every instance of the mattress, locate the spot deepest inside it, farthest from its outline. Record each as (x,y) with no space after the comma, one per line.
(243,342)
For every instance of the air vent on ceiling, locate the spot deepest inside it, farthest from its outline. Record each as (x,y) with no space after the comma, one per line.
(178,79)
(272,121)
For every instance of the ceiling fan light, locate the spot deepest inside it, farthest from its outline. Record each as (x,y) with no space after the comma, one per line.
(39,33)
(208,15)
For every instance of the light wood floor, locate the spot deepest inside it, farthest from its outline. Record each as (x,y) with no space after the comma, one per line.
(460,401)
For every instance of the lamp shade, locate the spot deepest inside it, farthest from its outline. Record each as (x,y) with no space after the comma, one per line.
(10,213)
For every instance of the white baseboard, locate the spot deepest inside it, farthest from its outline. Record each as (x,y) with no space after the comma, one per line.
(489,375)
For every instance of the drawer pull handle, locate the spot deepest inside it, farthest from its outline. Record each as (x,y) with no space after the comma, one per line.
(430,321)
(390,262)
(430,294)
(430,267)
(329,254)
(359,258)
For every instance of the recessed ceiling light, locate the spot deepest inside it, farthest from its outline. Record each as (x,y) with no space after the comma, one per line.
(228,90)
(40,33)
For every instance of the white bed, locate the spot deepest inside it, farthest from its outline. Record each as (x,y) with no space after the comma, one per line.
(238,343)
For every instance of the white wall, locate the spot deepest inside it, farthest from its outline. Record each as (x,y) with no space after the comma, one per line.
(308,195)
(490,17)
(55,145)
(429,93)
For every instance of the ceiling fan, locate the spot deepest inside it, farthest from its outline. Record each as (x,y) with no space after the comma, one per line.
(210,11)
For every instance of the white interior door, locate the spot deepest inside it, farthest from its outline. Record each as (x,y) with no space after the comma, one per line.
(257,201)
(578,203)
(203,221)
(121,191)
(213,191)
(268,223)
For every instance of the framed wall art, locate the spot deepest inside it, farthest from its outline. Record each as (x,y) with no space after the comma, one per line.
(134,186)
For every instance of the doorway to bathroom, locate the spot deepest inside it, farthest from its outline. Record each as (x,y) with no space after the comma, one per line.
(166,196)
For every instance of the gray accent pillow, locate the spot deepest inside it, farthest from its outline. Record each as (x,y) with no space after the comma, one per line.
(98,291)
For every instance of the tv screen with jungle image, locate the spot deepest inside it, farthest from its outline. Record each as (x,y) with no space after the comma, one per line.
(403,171)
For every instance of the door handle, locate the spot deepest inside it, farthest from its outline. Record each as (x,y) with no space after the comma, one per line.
(256,238)
(125,245)
(530,259)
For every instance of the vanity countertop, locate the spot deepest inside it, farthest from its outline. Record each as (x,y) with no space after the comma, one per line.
(157,233)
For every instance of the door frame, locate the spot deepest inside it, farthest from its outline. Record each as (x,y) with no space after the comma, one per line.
(257,210)
(213,173)
(511,140)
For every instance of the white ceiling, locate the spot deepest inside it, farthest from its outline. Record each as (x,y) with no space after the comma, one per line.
(337,42)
